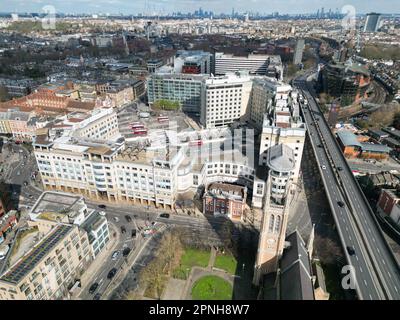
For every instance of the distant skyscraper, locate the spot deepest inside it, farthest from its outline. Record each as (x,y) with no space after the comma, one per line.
(298,53)
(372,22)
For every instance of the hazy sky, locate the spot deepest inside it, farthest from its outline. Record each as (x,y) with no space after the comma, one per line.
(168,6)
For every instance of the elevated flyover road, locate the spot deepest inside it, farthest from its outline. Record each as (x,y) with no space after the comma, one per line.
(376,270)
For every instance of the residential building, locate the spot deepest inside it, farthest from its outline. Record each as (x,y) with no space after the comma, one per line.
(298,52)
(262,98)
(347,81)
(283,125)
(96,226)
(68,236)
(52,265)
(372,22)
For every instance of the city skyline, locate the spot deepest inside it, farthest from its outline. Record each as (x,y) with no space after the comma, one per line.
(163,7)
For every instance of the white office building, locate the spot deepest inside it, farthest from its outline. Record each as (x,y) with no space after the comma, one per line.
(227,99)
(258,64)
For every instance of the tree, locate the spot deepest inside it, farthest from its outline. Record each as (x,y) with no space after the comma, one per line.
(396,120)
(327,250)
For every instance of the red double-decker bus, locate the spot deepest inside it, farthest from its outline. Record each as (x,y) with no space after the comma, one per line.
(139,132)
(162,119)
(196,143)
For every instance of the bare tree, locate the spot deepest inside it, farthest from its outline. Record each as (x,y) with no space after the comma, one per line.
(327,250)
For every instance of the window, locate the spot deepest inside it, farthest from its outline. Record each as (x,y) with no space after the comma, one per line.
(271,223)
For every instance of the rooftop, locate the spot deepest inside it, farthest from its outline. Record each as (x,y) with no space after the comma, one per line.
(280,158)
(295,279)
(52,203)
(38,253)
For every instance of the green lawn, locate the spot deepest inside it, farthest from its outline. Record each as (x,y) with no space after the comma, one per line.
(226,262)
(191,258)
(212,288)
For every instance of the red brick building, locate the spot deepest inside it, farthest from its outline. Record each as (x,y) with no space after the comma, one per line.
(47,102)
(225,199)
(2,208)
(388,199)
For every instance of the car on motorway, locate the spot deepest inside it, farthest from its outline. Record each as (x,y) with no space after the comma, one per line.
(93,287)
(323,167)
(319,146)
(97,296)
(350,250)
(164,215)
(128,218)
(133,233)
(115,255)
(102,206)
(340,168)
(126,251)
(111,273)
(340,204)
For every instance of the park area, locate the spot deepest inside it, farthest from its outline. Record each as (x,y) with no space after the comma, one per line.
(226,262)
(191,258)
(212,288)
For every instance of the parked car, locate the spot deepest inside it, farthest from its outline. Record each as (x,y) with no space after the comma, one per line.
(128,218)
(112,273)
(116,219)
(93,287)
(123,230)
(164,215)
(115,255)
(126,251)
(133,233)
(97,296)
(25,183)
